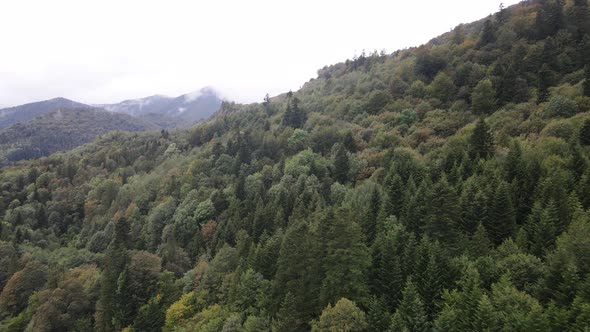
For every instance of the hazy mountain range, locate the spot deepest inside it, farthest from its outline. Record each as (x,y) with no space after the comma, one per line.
(38,129)
(170,112)
(162,111)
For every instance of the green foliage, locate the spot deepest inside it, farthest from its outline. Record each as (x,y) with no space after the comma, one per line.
(410,314)
(560,107)
(376,183)
(344,316)
(346,260)
(483,97)
(377,101)
(481,141)
(584,135)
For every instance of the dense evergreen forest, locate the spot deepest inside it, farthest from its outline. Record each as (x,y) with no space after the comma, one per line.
(438,188)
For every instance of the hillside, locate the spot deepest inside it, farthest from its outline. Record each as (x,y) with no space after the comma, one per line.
(26,112)
(439,188)
(61,130)
(167,112)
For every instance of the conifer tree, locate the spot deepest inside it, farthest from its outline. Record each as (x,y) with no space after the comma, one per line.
(584,135)
(502,222)
(378,318)
(395,191)
(294,274)
(370,219)
(541,228)
(341,165)
(287,317)
(430,274)
(115,260)
(481,141)
(346,262)
(480,242)
(410,315)
(444,219)
(418,208)
(487,34)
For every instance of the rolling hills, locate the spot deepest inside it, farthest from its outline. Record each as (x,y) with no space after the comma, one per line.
(444,187)
(60,130)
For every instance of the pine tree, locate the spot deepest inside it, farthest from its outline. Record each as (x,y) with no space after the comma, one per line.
(473,206)
(341,165)
(115,260)
(584,135)
(294,116)
(347,260)
(513,166)
(485,316)
(378,318)
(417,207)
(502,220)
(296,272)
(480,242)
(481,141)
(287,317)
(487,34)
(541,228)
(430,274)
(549,18)
(370,219)
(583,189)
(444,219)
(578,162)
(410,315)
(395,192)
(580,18)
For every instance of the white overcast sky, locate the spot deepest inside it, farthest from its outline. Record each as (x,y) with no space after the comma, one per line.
(105,51)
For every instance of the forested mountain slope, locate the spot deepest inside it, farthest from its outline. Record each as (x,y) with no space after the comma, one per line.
(61,130)
(26,112)
(439,188)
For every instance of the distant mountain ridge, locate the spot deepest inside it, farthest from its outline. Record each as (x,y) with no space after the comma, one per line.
(61,130)
(26,112)
(162,111)
(167,112)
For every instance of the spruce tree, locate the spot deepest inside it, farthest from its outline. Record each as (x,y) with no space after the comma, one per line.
(444,218)
(115,260)
(287,319)
(395,191)
(347,260)
(481,141)
(480,242)
(430,274)
(370,219)
(341,165)
(584,135)
(293,275)
(541,228)
(580,18)
(502,220)
(487,34)
(410,315)
(418,207)
(378,318)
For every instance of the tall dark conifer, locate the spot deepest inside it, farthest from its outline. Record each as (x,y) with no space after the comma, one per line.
(481,141)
